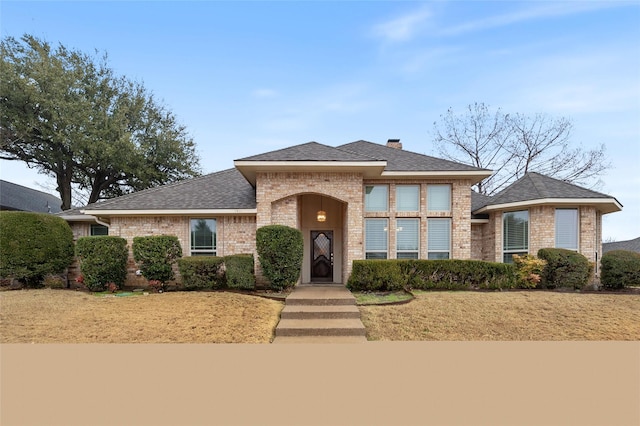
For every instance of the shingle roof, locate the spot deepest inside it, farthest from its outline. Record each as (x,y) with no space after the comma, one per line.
(226,189)
(310,151)
(479,200)
(402,160)
(534,186)
(631,245)
(18,197)
(397,159)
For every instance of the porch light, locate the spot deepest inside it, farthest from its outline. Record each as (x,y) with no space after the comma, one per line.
(322,215)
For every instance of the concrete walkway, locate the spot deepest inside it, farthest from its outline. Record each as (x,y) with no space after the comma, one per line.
(320,314)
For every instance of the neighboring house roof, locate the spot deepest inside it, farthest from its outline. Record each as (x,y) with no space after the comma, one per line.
(18,197)
(224,190)
(534,188)
(631,245)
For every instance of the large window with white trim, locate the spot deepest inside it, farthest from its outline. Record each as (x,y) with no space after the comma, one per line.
(439,198)
(515,234)
(203,237)
(376,238)
(407,238)
(407,198)
(567,224)
(438,238)
(376,198)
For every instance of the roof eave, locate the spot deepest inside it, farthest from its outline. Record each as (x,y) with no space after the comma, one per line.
(171,212)
(474,175)
(604,205)
(249,169)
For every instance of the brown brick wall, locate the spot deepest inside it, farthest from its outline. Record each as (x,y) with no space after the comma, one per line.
(277,196)
(541,233)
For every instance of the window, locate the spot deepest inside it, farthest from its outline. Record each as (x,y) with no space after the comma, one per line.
(99,230)
(439,198)
(407,238)
(376,198)
(203,237)
(376,241)
(407,198)
(515,234)
(567,229)
(438,238)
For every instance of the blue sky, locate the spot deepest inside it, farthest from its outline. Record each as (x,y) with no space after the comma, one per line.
(249,77)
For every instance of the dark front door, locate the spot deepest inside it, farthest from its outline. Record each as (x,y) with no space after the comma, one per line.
(321,256)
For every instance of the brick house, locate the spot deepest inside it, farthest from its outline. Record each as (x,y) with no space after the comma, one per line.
(360,200)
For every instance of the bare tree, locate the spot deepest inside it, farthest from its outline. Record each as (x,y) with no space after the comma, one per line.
(514,144)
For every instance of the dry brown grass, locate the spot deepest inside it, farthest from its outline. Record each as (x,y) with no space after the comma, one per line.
(539,316)
(62,316)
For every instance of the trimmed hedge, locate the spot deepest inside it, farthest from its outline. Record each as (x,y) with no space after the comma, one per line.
(239,271)
(455,274)
(280,249)
(33,245)
(156,255)
(202,272)
(564,268)
(377,275)
(620,269)
(391,275)
(103,260)
(211,272)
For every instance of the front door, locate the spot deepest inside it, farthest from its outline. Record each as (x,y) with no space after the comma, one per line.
(321,256)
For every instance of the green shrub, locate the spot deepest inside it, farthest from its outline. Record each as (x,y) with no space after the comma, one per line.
(377,275)
(455,274)
(565,268)
(529,270)
(202,272)
(33,245)
(103,260)
(280,250)
(239,271)
(620,269)
(391,275)
(156,255)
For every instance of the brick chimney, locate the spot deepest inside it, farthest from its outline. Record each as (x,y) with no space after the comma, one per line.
(394,143)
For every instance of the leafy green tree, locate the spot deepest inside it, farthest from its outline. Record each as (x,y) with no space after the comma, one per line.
(68,115)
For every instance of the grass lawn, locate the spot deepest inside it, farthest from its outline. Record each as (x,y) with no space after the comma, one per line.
(518,315)
(63,316)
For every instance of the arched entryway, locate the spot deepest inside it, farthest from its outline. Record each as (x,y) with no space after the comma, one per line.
(323,239)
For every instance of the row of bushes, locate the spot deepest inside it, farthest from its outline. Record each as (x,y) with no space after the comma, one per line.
(553,268)
(34,245)
(103,263)
(207,272)
(391,275)
(280,249)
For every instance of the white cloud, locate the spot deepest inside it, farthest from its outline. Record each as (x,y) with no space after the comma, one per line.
(403,28)
(540,10)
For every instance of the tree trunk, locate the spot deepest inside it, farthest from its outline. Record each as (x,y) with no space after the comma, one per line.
(63,179)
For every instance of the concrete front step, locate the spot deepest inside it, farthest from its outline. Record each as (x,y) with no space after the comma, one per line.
(320,339)
(320,312)
(320,327)
(320,295)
